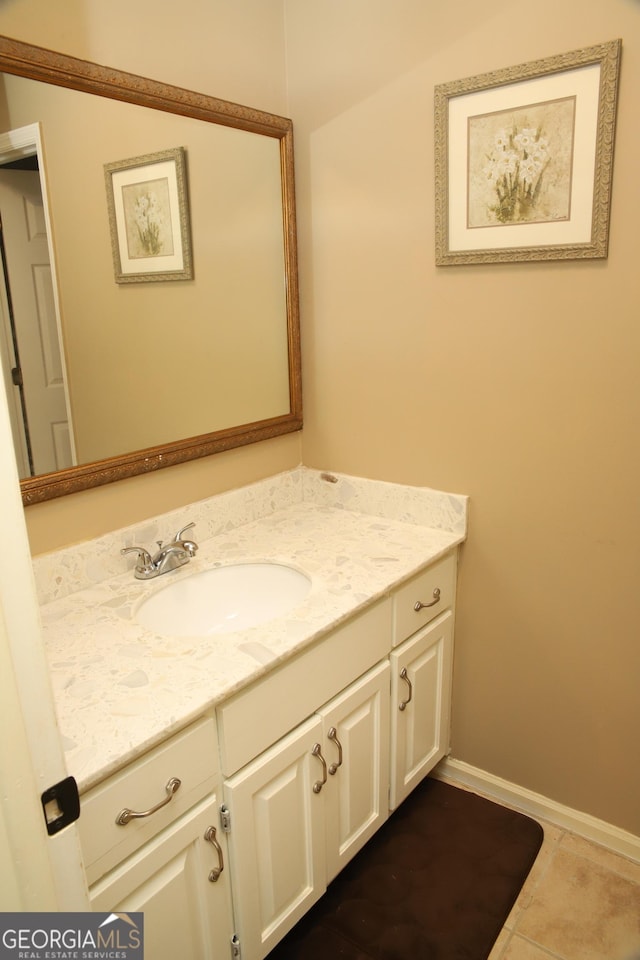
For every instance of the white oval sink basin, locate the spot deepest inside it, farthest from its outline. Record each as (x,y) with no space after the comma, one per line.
(224,599)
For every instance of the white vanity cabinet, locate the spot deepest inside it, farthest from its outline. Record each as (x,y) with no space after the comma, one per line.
(186,913)
(289,781)
(355,745)
(170,861)
(420,705)
(421,674)
(303,807)
(276,840)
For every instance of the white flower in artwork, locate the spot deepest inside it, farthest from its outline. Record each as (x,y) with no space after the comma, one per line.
(529,170)
(515,168)
(525,139)
(150,221)
(502,140)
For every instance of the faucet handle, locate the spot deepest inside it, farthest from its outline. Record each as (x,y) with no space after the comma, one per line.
(144,557)
(178,535)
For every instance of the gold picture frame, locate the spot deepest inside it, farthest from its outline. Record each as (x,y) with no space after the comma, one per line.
(524,160)
(149,217)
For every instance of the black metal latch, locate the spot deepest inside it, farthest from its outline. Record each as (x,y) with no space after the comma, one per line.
(61,805)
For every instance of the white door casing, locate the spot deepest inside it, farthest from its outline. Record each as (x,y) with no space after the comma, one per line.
(46,872)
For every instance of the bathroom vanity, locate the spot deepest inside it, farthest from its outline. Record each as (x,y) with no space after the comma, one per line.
(292,741)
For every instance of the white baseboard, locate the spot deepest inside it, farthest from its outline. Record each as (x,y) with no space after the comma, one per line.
(535,805)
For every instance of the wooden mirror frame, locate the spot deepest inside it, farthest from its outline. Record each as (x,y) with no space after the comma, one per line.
(38,63)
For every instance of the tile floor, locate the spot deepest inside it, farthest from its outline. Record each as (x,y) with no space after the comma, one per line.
(580,902)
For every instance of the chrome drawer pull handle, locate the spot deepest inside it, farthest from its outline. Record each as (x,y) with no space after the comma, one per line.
(210,837)
(405,676)
(419,605)
(333,736)
(317,752)
(126,815)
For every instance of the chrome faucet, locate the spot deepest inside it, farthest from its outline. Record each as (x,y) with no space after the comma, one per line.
(174,554)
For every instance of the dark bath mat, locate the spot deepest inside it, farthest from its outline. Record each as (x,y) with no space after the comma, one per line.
(437,882)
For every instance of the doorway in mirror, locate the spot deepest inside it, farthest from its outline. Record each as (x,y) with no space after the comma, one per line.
(29,335)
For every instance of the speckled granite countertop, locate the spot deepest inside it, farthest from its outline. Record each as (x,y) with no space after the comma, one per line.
(120,689)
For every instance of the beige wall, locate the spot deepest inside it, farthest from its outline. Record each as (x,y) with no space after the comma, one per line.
(231,51)
(515,384)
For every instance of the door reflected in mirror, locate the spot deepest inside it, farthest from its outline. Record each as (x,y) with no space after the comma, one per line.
(29,337)
(155,373)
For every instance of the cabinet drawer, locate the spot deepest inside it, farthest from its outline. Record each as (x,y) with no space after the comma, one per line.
(433,589)
(191,756)
(265,712)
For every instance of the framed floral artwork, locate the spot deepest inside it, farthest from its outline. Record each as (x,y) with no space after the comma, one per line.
(149,217)
(524,160)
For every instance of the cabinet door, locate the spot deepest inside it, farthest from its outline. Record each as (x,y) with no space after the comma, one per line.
(420,705)
(356,746)
(186,915)
(277,838)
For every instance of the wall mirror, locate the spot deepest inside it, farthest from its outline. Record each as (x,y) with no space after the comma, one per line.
(154,372)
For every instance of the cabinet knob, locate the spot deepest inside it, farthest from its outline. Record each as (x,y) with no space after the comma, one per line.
(333,736)
(210,837)
(317,752)
(419,605)
(405,676)
(126,815)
